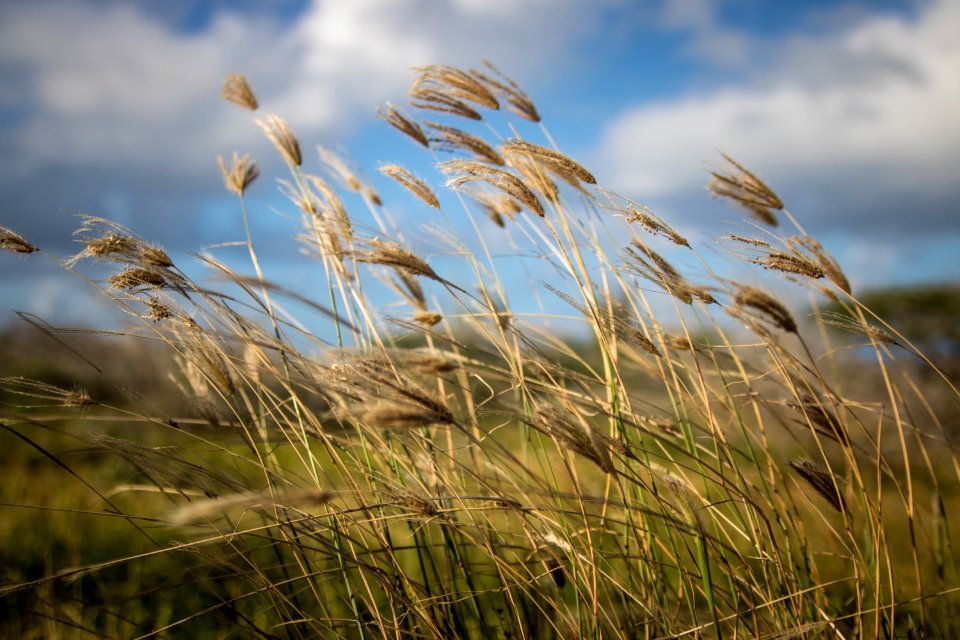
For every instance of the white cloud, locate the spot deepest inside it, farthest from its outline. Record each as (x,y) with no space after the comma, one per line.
(879,112)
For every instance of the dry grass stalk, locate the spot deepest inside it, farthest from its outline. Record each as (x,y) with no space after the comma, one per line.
(824,482)
(203,510)
(517,101)
(415,185)
(819,417)
(828,265)
(279,133)
(623,329)
(746,190)
(75,397)
(769,307)
(238,91)
(392,254)
(455,84)
(332,208)
(689,504)
(388,415)
(556,162)
(651,265)
(452,139)
(497,205)
(132,278)
(240,174)
(465,171)
(414,502)
(849,323)
(654,225)
(395,118)
(579,439)
(11,241)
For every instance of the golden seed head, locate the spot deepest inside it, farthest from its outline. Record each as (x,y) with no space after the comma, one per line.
(237,91)
(415,185)
(517,101)
(278,131)
(134,278)
(746,190)
(770,308)
(240,174)
(453,139)
(395,118)
(428,318)
(14,242)
(818,477)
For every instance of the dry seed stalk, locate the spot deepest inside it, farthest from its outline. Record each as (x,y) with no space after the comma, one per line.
(279,133)
(415,185)
(516,99)
(452,83)
(395,118)
(825,483)
(11,241)
(237,91)
(770,308)
(465,171)
(654,225)
(851,324)
(747,190)
(393,255)
(556,162)
(453,139)
(241,173)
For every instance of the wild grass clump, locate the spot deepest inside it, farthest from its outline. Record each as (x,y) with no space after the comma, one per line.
(449,465)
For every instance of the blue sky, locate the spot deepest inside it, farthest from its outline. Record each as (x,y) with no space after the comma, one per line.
(848,109)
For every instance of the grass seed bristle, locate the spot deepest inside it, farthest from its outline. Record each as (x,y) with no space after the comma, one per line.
(238,91)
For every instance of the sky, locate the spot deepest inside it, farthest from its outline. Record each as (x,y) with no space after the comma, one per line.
(848,109)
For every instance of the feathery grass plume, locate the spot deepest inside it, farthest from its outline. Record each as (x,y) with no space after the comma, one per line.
(415,185)
(279,133)
(396,119)
(392,415)
(746,190)
(107,241)
(824,482)
(415,502)
(332,207)
(770,309)
(238,91)
(437,101)
(11,241)
(464,171)
(408,287)
(623,329)
(338,167)
(819,417)
(451,139)
(649,264)
(790,263)
(517,101)
(849,323)
(653,224)
(75,397)
(241,173)
(534,176)
(497,205)
(452,83)
(392,254)
(580,439)
(555,162)
(828,265)
(689,505)
(132,279)
(203,510)
(158,310)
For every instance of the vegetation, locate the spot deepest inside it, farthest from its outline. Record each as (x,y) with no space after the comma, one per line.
(703,466)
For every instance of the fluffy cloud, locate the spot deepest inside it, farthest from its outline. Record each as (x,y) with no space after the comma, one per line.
(858,126)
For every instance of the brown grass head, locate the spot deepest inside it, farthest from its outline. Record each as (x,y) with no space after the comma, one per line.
(464,171)
(452,139)
(554,161)
(756,302)
(240,174)
(517,101)
(747,191)
(823,482)
(415,185)
(238,91)
(396,119)
(452,83)
(11,241)
(279,133)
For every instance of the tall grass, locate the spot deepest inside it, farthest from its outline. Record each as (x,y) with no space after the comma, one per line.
(704,465)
